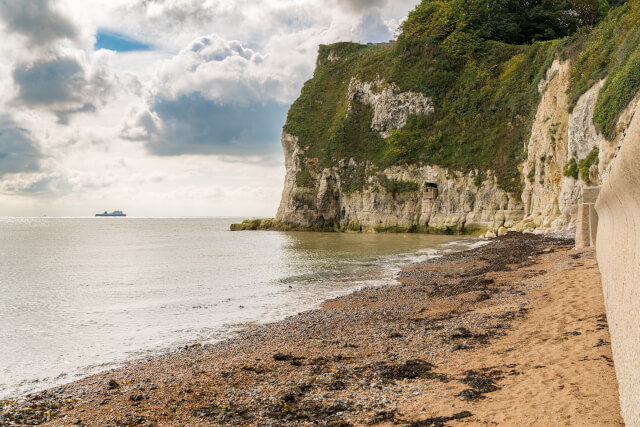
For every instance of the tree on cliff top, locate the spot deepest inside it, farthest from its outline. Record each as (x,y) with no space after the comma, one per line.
(509,21)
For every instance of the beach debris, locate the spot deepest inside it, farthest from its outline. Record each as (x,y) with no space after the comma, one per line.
(481,383)
(440,421)
(409,370)
(295,360)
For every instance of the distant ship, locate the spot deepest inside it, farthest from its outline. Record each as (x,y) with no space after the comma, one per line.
(114,213)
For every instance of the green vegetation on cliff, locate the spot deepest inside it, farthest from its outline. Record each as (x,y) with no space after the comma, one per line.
(571,168)
(586,163)
(612,51)
(507,21)
(481,68)
(581,168)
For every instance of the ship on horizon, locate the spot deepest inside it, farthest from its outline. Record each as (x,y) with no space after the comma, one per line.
(114,213)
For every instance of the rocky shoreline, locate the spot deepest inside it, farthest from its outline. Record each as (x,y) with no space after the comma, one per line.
(512,333)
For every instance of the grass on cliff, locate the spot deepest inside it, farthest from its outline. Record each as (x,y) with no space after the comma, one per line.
(483,85)
(586,163)
(483,102)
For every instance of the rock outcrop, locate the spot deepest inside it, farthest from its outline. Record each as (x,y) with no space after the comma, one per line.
(358,196)
(547,153)
(391,107)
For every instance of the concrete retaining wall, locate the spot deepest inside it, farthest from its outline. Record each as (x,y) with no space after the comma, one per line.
(618,251)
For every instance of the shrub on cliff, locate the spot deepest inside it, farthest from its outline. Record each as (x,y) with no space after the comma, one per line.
(586,163)
(571,169)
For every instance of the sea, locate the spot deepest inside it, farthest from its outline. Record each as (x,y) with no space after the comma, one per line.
(83,295)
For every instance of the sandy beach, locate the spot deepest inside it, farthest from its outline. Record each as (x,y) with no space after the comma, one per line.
(513,334)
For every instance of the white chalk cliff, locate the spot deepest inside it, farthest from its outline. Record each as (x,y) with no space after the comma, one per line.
(465,202)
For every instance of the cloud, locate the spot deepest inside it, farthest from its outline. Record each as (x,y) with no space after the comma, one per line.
(48,185)
(373,29)
(140,126)
(221,70)
(40,21)
(216,97)
(54,185)
(18,151)
(50,82)
(193,124)
(65,85)
(361,5)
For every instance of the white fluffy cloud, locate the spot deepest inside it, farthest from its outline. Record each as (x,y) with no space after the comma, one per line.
(197,117)
(220,70)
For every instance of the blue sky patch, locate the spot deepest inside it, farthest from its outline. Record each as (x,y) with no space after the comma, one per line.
(118,42)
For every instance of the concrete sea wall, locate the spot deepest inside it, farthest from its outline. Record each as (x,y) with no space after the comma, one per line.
(618,252)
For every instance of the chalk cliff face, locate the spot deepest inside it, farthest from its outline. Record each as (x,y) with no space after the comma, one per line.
(546,156)
(391,107)
(399,198)
(550,197)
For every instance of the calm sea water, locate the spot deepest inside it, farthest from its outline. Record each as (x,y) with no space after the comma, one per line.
(79,295)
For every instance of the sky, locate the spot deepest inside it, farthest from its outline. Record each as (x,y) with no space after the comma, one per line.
(160,107)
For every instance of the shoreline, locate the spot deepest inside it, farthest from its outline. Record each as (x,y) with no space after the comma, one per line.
(422,350)
(390,265)
(152,308)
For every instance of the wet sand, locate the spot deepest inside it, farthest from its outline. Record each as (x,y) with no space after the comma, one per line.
(513,333)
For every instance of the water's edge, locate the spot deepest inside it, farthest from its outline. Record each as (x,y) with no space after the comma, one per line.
(347,284)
